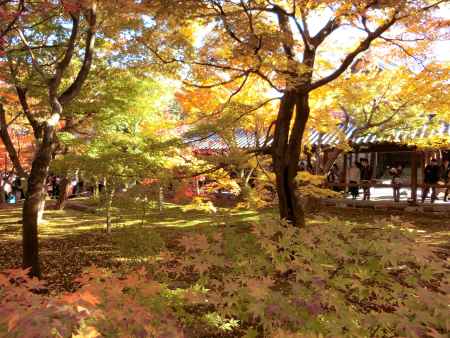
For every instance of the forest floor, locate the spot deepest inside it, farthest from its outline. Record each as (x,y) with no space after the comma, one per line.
(72,240)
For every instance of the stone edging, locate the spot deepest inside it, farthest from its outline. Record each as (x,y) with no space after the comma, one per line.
(437,209)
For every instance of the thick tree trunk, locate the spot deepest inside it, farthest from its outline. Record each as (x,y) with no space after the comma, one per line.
(280,156)
(286,154)
(294,150)
(109,200)
(33,207)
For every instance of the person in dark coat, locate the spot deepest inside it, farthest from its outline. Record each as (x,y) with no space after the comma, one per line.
(366,177)
(431,177)
(445,176)
(334,177)
(396,173)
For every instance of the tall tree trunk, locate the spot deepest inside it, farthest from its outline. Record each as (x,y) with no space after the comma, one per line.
(109,199)
(280,157)
(160,197)
(286,154)
(294,151)
(33,207)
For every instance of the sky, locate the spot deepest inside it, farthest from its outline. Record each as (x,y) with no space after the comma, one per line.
(442,48)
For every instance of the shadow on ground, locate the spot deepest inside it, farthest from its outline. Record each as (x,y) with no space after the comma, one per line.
(72,240)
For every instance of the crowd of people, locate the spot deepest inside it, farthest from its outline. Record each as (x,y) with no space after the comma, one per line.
(13,188)
(74,186)
(360,175)
(433,174)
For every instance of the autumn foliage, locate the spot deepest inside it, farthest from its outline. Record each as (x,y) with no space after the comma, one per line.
(332,278)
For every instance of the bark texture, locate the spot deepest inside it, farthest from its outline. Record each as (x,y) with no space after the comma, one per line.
(34,203)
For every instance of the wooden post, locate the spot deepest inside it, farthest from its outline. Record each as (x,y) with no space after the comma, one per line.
(375,166)
(197,186)
(325,159)
(344,173)
(372,160)
(423,163)
(414,176)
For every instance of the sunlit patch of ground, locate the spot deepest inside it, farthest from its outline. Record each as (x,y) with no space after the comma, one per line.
(427,228)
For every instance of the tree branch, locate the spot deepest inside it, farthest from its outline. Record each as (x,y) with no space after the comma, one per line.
(10,26)
(217,84)
(6,138)
(36,65)
(75,88)
(363,46)
(329,28)
(65,62)
(35,124)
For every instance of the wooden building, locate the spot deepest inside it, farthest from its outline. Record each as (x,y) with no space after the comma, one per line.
(383,153)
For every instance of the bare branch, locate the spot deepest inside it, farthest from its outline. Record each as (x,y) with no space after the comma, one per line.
(35,124)
(288,39)
(237,90)
(397,44)
(14,119)
(363,46)
(329,28)
(222,15)
(217,84)
(36,65)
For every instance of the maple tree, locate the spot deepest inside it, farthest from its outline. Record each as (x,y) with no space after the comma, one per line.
(28,59)
(46,60)
(285,44)
(124,142)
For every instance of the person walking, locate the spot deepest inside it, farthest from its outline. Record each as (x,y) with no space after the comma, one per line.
(354,178)
(17,189)
(396,173)
(366,177)
(445,177)
(333,177)
(7,189)
(2,189)
(24,187)
(431,178)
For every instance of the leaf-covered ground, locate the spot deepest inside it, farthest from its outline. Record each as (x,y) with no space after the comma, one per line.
(71,240)
(231,273)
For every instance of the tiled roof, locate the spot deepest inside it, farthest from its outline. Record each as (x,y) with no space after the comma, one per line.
(396,136)
(242,140)
(247,140)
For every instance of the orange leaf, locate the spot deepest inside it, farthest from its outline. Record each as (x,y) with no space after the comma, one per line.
(88,297)
(12,322)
